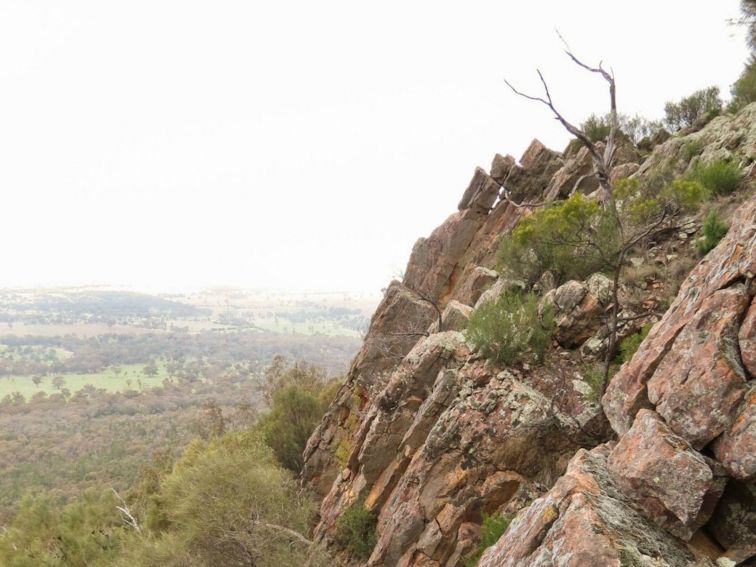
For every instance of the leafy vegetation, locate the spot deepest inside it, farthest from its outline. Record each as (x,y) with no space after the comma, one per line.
(511,326)
(226,501)
(691,149)
(635,128)
(593,375)
(704,103)
(299,397)
(629,345)
(85,532)
(720,177)
(492,529)
(355,530)
(552,239)
(714,229)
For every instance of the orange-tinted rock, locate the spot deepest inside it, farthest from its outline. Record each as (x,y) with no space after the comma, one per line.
(733,260)
(698,385)
(664,477)
(586,521)
(475,285)
(736,447)
(747,339)
(474,459)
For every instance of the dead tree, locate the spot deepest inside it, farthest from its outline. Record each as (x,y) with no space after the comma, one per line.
(602,161)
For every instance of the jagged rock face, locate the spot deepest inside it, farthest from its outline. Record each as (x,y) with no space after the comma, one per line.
(454,263)
(586,521)
(430,437)
(723,137)
(476,456)
(713,294)
(537,166)
(686,390)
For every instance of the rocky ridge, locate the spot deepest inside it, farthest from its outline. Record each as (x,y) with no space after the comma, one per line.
(430,437)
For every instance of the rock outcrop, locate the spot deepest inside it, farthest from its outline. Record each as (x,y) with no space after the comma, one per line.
(430,437)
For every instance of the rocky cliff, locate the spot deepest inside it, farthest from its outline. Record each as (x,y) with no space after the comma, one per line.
(430,437)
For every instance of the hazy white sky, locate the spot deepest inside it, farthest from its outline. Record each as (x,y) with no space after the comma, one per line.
(170,144)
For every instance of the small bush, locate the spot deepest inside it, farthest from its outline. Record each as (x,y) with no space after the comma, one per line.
(721,177)
(546,241)
(691,149)
(505,329)
(355,530)
(593,375)
(633,128)
(629,345)
(714,229)
(597,128)
(688,110)
(492,529)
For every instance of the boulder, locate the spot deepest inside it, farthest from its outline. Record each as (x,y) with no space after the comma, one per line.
(501,166)
(453,318)
(567,177)
(529,180)
(472,456)
(699,384)
(579,308)
(586,521)
(434,259)
(500,286)
(475,285)
(664,477)
(736,447)
(622,171)
(481,193)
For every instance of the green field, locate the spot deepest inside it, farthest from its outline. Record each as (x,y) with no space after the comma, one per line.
(124,377)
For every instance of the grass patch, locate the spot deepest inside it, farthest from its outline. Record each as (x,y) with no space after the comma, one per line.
(355,530)
(114,379)
(714,229)
(629,345)
(492,529)
(691,149)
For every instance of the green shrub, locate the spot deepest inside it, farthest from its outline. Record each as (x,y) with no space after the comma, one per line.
(688,110)
(744,89)
(691,150)
(714,229)
(551,239)
(355,530)
(629,345)
(597,128)
(505,329)
(298,396)
(593,375)
(492,529)
(633,128)
(721,177)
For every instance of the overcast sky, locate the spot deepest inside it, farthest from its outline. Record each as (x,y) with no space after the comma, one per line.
(295,144)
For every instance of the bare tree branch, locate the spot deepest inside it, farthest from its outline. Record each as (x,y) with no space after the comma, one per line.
(126,515)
